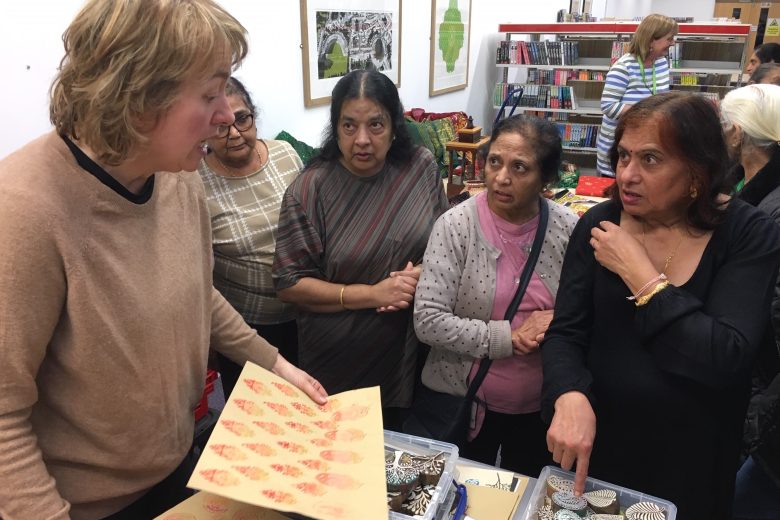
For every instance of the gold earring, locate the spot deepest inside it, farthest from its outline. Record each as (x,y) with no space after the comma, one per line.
(694,193)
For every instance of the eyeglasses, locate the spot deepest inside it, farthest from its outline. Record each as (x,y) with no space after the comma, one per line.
(242,123)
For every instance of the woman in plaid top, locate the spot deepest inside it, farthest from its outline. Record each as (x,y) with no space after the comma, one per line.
(245,179)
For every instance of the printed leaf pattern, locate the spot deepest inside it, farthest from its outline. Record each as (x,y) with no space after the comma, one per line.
(257,387)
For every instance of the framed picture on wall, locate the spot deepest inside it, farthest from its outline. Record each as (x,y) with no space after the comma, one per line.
(450,37)
(339,36)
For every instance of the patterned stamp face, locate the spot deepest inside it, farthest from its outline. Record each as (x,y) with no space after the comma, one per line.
(645,511)
(400,472)
(567,500)
(418,501)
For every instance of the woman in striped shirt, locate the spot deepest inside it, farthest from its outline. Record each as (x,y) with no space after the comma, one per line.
(640,73)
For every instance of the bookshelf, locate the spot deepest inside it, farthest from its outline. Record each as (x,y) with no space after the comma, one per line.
(562,68)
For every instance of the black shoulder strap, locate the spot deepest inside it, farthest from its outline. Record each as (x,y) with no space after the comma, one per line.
(525,278)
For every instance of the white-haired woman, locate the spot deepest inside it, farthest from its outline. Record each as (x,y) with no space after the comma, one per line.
(751,124)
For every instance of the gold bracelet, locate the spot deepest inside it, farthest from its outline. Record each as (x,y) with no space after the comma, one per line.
(341,297)
(646,298)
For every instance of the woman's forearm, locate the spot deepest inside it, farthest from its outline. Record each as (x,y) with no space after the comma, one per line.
(316,295)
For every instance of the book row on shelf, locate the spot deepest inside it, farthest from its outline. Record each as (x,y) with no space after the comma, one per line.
(563,76)
(537,96)
(518,52)
(618,49)
(554,96)
(578,135)
(564,53)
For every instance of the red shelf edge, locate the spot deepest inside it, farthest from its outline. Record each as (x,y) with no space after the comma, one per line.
(621,27)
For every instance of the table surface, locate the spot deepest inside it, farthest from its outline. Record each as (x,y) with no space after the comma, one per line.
(460,146)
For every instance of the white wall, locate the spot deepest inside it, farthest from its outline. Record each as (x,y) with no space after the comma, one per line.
(30,39)
(701,10)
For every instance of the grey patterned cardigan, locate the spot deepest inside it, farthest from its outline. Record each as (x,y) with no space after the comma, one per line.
(454,297)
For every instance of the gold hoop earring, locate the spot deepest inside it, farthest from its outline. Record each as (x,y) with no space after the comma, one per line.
(694,193)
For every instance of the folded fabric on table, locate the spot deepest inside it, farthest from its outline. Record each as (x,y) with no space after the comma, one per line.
(593,186)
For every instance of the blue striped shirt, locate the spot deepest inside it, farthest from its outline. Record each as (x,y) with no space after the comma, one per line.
(625,86)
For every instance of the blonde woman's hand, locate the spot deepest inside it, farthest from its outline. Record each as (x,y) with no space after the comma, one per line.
(300,379)
(527,337)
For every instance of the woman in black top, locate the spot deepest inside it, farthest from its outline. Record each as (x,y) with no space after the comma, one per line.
(661,310)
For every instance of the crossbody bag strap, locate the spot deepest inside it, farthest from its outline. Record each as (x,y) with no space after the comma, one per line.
(525,278)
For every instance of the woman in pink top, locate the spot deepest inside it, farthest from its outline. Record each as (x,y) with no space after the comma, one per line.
(475,255)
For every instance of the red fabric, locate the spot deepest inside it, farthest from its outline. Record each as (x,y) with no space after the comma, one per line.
(593,186)
(459,119)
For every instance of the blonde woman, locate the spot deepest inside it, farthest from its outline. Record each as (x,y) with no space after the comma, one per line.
(640,73)
(107,307)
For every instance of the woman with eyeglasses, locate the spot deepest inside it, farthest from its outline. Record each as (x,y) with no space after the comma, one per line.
(245,179)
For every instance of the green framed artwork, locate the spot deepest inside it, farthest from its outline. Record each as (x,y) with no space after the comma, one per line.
(450,38)
(338,36)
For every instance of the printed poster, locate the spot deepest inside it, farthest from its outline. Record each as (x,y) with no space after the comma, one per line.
(273,447)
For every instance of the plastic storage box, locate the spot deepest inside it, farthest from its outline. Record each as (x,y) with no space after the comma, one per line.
(626,497)
(442,499)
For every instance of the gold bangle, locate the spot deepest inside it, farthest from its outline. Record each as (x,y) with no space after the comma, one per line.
(646,298)
(341,297)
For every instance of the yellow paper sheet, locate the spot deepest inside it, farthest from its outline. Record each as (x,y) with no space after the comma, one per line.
(485,503)
(274,447)
(493,494)
(206,506)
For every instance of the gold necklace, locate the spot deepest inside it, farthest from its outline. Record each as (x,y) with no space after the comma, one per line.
(671,255)
(233,173)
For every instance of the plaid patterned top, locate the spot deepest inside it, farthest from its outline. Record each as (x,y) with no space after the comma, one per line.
(343,228)
(244,215)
